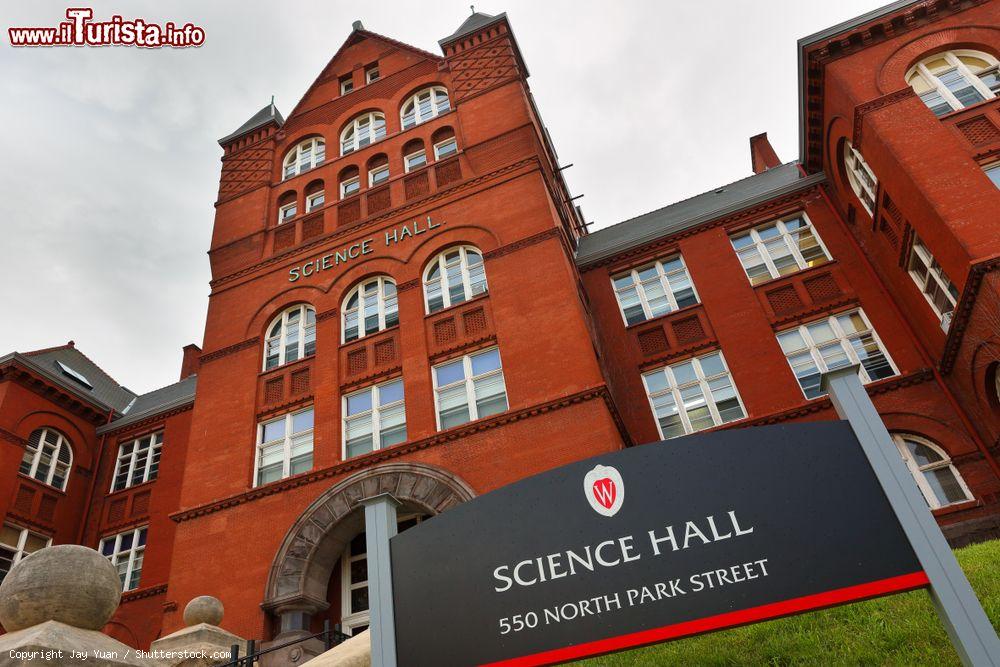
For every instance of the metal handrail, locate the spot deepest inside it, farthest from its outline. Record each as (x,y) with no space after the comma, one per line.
(331,637)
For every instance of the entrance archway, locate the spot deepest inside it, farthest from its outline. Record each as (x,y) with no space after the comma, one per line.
(300,574)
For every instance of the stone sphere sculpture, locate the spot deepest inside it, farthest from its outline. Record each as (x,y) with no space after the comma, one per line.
(203,609)
(68,583)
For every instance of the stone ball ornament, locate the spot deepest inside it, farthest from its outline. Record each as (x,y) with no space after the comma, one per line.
(203,609)
(68,583)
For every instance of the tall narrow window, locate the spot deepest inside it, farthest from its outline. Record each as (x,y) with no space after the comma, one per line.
(779,248)
(415,160)
(454,276)
(354,615)
(940,293)
(346,84)
(861,177)
(378,170)
(305,156)
(372,74)
(364,130)
(469,388)
(16,543)
(654,289)
(445,148)
(291,336)
(954,80)
(315,200)
(933,471)
(138,461)
(284,446)
(47,458)
(692,395)
(834,342)
(993,173)
(370,307)
(287,212)
(126,551)
(374,418)
(423,106)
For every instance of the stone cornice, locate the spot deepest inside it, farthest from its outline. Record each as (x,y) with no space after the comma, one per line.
(554,232)
(225,351)
(394,452)
(374,221)
(37,383)
(150,419)
(963,312)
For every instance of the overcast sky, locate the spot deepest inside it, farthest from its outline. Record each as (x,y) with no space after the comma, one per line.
(111,164)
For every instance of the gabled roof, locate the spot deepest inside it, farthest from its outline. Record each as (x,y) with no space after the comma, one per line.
(157,401)
(266,115)
(475,22)
(646,228)
(103,387)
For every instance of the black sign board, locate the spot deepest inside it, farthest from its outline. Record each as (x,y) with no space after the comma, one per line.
(648,544)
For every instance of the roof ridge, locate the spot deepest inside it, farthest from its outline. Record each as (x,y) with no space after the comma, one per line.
(681,201)
(166,386)
(101,369)
(69,345)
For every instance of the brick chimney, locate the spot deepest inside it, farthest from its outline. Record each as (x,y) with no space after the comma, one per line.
(762,155)
(191,362)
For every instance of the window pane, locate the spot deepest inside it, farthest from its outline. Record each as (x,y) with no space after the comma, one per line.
(302,421)
(922,454)
(450,372)
(711,365)
(361,402)
(655,382)
(485,361)
(945,485)
(390,393)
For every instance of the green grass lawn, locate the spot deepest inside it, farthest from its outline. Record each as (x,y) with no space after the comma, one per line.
(896,630)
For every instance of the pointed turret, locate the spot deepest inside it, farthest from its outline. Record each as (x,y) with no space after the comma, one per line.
(266,115)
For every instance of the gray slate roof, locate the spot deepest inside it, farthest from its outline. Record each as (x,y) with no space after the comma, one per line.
(688,213)
(105,389)
(156,401)
(259,119)
(472,24)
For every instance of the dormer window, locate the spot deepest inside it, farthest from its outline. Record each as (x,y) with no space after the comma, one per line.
(364,130)
(954,80)
(423,106)
(372,74)
(305,156)
(346,85)
(76,376)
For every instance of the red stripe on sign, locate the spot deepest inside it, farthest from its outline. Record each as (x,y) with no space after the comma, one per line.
(905,582)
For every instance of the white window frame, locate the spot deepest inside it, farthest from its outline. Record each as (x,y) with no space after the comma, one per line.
(286,456)
(383,304)
(438,145)
(22,540)
(282,210)
(992,172)
(702,381)
(933,272)
(406,160)
(375,413)
(918,471)
(350,620)
(843,339)
(861,177)
(439,261)
(32,457)
(353,129)
(135,552)
(413,101)
(317,155)
(761,246)
(150,469)
(640,287)
(311,199)
(347,85)
(377,170)
(349,182)
(373,70)
(470,385)
(306,335)
(953,59)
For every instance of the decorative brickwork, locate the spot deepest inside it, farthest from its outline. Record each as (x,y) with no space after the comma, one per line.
(653,341)
(24,499)
(477,70)
(140,504)
(47,507)
(245,170)
(416,185)
(449,172)
(378,200)
(357,361)
(349,212)
(688,330)
(979,131)
(784,299)
(284,237)
(274,390)
(474,321)
(312,227)
(822,288)
(300,381)
(385,352)
(116,510)
(445,331)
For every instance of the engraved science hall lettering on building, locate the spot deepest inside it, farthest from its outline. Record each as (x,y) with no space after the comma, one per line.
(361,248)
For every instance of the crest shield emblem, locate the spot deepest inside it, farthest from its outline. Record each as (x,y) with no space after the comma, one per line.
(605,490)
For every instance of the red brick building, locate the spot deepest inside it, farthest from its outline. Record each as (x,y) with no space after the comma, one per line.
(405,298)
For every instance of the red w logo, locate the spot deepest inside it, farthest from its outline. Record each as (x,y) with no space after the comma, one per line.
(605,492)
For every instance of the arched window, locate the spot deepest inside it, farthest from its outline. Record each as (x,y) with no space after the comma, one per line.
(306,155)
(363,130)
(938,479)
(370,307)
(291,336)
(445,144)
(954,80)
(414,155)
(423,106)
(350,183)
(288,206)
(860,176)
(378,170)
(454,276)
(315,195)
(47,458)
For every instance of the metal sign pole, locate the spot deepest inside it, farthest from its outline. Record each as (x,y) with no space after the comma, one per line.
(380,526)
(958,607)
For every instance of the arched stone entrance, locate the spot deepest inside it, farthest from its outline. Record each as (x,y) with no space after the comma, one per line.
(297,584)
